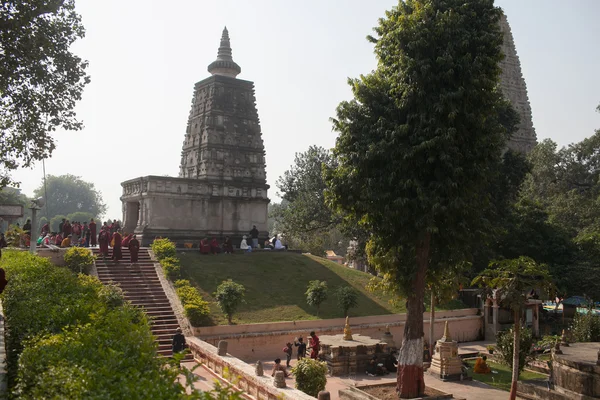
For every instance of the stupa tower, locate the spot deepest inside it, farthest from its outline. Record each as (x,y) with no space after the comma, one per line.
(515,90)
(223,139)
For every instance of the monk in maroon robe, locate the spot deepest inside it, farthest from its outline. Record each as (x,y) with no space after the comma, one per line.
(204,246)
(117,240)
(126,239)
(92,227)
(103,240)
(315,345)
(134,248)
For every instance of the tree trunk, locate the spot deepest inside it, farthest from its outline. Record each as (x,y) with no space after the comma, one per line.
(431,325)
(515,366)
(409,379)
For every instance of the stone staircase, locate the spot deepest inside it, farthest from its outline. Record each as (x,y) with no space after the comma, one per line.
(142,288)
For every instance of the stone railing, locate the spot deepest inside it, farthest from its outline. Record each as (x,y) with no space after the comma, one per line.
(242,375)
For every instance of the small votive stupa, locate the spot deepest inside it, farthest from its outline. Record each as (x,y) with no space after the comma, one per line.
(446,364)
(347,330)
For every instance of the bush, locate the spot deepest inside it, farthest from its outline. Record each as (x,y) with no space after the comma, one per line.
(316,293)
(196,309)
(586,327)
(112,295)
(79,259)
(67,338)
(311,376)
(163,248)
(504,346)
(347,298)
(172,271)
(229,296)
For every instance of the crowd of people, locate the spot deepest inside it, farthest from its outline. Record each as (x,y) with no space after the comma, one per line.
(248,243)
(85,234)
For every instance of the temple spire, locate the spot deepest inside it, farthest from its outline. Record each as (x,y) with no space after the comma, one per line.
(224,64)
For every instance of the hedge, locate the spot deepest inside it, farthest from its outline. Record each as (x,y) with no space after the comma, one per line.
(196,308)
(68,336)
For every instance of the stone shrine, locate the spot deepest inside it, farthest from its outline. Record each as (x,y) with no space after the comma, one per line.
(349,357)
(445,363)
(221,189)
(514,89)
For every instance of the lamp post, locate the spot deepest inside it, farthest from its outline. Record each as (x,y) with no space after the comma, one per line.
(35,205)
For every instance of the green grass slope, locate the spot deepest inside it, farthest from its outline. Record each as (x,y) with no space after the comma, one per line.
(275,285)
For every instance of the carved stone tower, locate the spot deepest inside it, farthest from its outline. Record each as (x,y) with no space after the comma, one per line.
(514,89)
(221,189)
(223,138)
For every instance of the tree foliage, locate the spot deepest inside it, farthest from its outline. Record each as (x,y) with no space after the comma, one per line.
(316,293)
(70,194)
(229,296)
(504,346)
(41,80)
(347,298)
(421,142)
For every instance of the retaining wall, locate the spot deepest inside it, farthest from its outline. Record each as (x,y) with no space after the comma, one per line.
(252,342)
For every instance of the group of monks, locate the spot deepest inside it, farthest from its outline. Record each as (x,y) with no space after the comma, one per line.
(117,242)
(213,247)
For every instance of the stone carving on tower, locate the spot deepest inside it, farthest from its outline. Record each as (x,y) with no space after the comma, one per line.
(223,138)
(221,189)
(513,86)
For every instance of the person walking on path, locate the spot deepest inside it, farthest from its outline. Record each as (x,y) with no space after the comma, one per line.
(301,348)
(103,240)
(315,345)
(134,248)
(93,232)
(288,353)
(117,240)
(254,236)
(178,342)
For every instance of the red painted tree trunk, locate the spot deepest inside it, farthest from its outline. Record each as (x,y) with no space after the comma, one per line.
(410,381)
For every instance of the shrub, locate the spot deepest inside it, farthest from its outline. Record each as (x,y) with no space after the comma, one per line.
(311,376)
(163,248)
(112,295)
(197,314)
(504,346)
(196,309)
(316,293)
(586,327)
(347,298)
(229,296)
(79,259)
(172,271)
(67,338)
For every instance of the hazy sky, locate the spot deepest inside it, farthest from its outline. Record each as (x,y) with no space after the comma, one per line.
(146,55)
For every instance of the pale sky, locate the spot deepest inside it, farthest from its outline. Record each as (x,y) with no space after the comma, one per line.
(146,55)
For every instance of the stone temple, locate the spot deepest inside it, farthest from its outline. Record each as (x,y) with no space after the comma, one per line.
(221,189)
(513,86)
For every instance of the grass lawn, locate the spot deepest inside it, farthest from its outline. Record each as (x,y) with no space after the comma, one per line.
(503,378)
(276,282)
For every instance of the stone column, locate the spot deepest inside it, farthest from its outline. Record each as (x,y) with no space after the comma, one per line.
(486,318)
(324,395)
(495,323)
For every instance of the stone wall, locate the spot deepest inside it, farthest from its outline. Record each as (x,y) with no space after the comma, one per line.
(251,342)
(232,369)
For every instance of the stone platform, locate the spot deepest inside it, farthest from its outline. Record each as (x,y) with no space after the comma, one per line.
(575,374)
(349,357)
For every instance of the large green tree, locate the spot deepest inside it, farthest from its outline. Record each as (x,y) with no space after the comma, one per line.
(40,79)
(68,194)
(418,148)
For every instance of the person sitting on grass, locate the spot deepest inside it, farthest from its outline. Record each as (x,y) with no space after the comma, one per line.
(66,242)
(279,367)
(481,366)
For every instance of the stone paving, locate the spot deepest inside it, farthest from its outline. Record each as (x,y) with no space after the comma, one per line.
(468,390)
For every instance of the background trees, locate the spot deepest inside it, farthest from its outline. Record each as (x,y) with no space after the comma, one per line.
(40,79)
(418,147)
(67,194)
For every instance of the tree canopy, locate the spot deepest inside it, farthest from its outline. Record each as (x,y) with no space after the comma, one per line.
(40,79)
(69,194)
(419,146)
